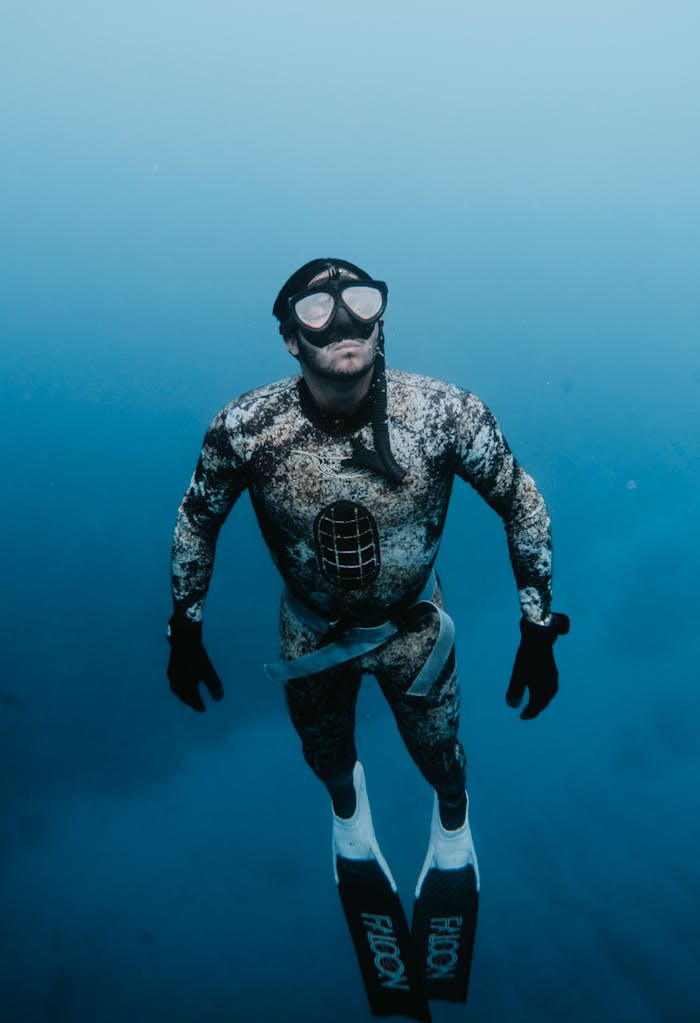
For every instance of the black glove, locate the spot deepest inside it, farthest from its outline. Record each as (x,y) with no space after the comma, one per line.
(189,664)
(534,667)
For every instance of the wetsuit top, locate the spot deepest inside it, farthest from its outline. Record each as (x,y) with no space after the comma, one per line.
(349,543)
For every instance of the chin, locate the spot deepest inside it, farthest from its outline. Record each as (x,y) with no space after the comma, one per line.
(348,372)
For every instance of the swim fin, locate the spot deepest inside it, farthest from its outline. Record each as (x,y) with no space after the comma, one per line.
(445,911)
(375,916)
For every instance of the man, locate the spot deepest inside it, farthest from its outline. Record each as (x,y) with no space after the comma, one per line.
(350,469)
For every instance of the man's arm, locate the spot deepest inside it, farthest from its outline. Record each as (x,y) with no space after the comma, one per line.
(217,482)
(487,463)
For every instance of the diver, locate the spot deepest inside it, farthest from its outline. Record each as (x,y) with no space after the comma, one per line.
(349,467)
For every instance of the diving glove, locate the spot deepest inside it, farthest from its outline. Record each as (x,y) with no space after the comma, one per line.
(189,664)
(534,667)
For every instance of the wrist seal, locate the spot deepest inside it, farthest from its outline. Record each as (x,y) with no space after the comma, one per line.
(534,632)
(184,633)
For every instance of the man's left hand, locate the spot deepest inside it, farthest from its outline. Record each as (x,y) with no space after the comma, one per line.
(534,667)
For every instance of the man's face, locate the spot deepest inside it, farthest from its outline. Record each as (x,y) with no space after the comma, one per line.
(346,356)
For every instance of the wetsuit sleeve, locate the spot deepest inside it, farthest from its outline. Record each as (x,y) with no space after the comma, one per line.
(486,462)
(217,482)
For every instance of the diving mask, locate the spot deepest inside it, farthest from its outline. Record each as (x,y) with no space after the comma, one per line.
(314,308)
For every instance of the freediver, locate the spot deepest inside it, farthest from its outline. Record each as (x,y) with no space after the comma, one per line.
(350,468)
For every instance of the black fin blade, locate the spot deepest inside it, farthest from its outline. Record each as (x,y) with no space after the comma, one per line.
(382,940)
(444,926)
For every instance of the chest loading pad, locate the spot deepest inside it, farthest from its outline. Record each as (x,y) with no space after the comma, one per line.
(347,544)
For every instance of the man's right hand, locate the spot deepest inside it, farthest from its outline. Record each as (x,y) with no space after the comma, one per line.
(189,664)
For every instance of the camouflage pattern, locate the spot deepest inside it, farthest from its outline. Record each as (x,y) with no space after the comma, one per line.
(322,707)
(290,460)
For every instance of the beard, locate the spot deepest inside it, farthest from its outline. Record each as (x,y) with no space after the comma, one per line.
(334,367)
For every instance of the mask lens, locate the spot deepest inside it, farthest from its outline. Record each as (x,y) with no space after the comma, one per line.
(315,310)
(363,302)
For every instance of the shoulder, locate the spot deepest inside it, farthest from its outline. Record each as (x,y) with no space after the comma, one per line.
(418,389)
(426,402)
(262,403)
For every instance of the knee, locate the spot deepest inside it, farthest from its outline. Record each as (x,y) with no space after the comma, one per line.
(333,767)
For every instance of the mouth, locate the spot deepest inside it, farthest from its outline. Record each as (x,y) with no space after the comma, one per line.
(346,344)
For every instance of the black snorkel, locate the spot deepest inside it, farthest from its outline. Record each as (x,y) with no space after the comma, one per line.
(381,460)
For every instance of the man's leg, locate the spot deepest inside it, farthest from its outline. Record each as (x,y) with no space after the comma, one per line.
(447,890)
(428,724)
(322,709)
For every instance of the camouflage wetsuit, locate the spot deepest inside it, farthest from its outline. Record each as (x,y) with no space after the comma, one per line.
(350,545)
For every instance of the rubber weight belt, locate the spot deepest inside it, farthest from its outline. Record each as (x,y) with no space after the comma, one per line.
(354,641)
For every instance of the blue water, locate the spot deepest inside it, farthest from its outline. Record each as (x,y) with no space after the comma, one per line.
(525,178)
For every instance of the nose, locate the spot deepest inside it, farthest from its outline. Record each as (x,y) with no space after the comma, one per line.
(341,321)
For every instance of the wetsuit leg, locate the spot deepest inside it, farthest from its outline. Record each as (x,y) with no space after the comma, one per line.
(322,709)
(428,724)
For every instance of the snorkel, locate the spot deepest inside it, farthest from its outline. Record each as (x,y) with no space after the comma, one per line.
(381,460)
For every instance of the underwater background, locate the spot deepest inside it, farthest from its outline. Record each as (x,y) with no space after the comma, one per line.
(525,178)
